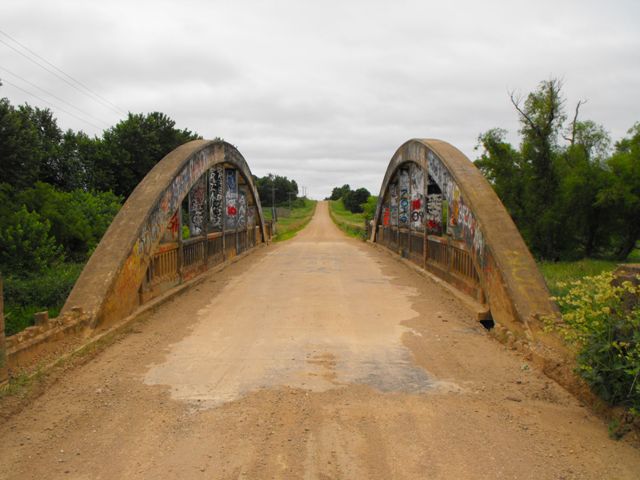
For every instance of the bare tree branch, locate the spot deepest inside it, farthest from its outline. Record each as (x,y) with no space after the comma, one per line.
(515,100)
(572,140)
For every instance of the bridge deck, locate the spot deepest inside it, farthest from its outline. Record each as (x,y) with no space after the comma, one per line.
(316,358)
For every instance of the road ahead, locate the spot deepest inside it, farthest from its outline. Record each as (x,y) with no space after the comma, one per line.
(317,358)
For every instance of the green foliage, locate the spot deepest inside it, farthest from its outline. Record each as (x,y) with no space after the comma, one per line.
(78,218)
(603,322)
(132,147)
(339,192)
(369,207)
(354,199)
(568,200)
(275,187)
(621,196)
(46,290)
(350,223)
(27,244)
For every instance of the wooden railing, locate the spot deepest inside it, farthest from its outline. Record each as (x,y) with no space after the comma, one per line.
(174,263)
(447,258)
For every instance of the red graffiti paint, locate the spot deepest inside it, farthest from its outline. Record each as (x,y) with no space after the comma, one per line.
(231,210)
(173,223)
(386,217)
(415,204)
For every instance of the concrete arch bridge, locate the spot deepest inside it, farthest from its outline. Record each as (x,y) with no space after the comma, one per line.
(318,357)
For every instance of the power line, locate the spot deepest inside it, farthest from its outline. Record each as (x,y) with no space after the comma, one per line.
(54,96)
(52,104)
(79,86)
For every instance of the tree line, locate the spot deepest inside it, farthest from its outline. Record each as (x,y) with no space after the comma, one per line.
(570,192)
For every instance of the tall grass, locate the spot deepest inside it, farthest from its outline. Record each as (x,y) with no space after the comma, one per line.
(350,223)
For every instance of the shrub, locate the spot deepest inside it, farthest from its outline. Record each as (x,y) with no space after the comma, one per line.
(604,326)
(27,244)
(47,290)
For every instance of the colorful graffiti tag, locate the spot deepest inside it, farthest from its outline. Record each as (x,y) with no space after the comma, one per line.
(462,224)
(403,197)
(215,196)
(231,199)
(242,208)
(417,197)
(197,207)
(434,208)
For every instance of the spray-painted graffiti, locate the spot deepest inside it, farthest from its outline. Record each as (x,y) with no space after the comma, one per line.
(462,224)
(386,216)
(231,199)
(215,196)
(197,207)
(417,197)
(434,208)
(251,216)
(242,208)
(393,204)
(403,198)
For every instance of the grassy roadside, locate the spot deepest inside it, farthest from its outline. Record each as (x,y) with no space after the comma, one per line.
(565,272)
(288,227)
(350,223)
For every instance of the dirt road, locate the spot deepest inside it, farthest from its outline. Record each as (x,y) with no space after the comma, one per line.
(318,358)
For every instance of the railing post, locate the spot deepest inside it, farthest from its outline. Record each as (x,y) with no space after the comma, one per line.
(205,220)
(180,244)
(4,372)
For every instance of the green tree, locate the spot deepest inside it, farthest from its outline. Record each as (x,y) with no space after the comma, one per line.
(621,196)
(27,244)
(354,200)
(541,120)
(20,156)
(280,188)
(339,192)
(78,219)
(502,165)
(132,147)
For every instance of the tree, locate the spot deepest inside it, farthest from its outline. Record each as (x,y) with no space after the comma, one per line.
(568,200)
(622,194)
(339,192)
(27,244)
(502,165)
(20,154)
(132,147)
(354,199)
(283,188)
(541,120)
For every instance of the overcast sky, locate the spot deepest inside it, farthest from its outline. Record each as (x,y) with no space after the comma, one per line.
(325,92)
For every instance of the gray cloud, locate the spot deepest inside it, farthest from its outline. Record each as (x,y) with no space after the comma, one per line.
(324,92)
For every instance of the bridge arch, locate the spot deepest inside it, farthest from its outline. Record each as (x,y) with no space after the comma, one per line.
(436,209)
(202,190)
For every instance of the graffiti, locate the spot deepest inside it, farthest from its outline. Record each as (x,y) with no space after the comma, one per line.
(215,196)
(251,217)
(462,224)
(242,209)
(417,197)
(386,216)
(231,199)
(434,208)
(196,207)
(403,194)
(173,224)
(393,204)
